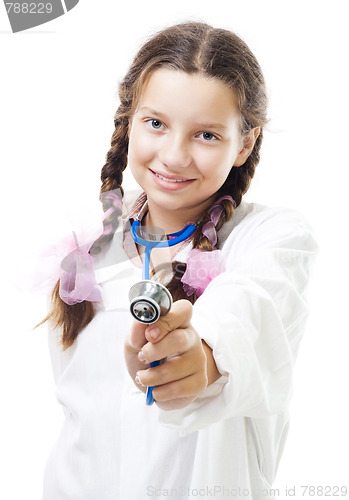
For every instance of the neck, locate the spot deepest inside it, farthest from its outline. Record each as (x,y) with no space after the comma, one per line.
(170,221)
(160,224)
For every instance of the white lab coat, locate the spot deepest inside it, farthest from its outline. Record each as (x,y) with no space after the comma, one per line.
(228,442)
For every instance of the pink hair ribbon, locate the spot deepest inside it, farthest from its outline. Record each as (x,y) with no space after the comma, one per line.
(202,267)
(77,275)
(69,260)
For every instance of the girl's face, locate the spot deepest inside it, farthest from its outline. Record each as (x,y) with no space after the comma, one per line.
(184,138)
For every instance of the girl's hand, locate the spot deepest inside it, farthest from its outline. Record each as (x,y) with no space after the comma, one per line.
(188,366)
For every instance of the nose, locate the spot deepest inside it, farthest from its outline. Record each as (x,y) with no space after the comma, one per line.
(175,152)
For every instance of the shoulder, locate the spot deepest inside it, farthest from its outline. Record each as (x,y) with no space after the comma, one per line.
(252,215)
(254,226)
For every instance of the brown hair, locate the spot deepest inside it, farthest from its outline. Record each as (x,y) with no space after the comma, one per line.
(191,47)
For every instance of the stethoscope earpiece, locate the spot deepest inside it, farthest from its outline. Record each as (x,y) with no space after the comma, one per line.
(149,300)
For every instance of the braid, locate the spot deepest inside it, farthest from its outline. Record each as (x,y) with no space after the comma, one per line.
(116,158)
(239,178)
(111,177)
(200,241)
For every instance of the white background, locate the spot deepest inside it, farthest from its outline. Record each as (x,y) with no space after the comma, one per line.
(58,88)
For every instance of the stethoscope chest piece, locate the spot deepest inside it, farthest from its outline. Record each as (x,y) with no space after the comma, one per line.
(149,300)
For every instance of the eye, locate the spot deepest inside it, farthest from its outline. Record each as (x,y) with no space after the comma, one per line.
(154,123)
(208,136)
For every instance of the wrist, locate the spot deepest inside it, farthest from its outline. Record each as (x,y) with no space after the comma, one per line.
(211,367)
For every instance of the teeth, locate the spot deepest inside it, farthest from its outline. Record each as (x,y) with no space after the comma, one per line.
(169,180)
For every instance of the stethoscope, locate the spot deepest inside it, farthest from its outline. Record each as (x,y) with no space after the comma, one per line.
(150,300)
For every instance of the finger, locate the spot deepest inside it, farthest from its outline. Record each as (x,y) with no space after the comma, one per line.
(178,317)
(171,370)
(173,344)
(189,386)
(137,335)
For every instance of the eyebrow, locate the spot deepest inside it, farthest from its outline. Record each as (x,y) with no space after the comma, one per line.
(151,111)
(201,125)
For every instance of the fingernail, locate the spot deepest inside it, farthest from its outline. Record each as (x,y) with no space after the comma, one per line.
(154,333)
(138,380)
(141,357)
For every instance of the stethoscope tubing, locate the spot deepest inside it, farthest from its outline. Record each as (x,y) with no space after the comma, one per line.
(176,238)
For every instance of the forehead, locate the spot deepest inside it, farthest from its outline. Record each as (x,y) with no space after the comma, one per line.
(192,96)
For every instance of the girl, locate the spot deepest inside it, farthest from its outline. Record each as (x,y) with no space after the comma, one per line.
(190,126)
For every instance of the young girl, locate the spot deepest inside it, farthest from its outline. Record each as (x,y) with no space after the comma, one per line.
(190,127)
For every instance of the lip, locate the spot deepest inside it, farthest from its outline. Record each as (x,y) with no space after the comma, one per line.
(168,185)
(170,176)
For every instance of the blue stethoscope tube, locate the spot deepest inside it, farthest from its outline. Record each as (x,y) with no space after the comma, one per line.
(173,239)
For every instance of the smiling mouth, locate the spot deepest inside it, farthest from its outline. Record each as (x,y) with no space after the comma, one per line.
(167,179)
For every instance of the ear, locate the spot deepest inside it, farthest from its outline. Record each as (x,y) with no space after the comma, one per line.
(248,142)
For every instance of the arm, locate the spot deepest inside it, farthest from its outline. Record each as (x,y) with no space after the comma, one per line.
(253,317)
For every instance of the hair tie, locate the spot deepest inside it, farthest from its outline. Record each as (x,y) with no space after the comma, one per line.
(114,197)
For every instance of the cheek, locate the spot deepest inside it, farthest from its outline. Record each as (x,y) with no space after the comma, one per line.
(140,150)
(215,165)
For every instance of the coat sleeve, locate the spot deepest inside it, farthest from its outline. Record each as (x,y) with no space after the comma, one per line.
(253,317)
